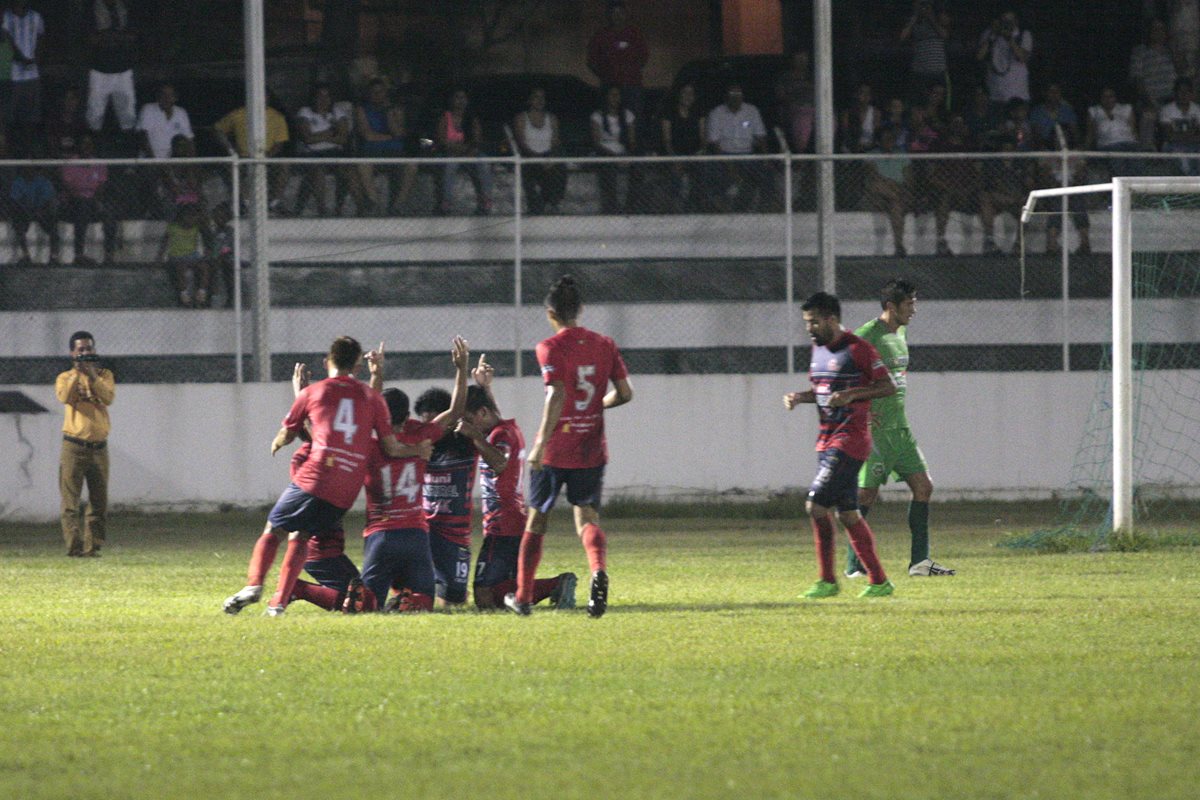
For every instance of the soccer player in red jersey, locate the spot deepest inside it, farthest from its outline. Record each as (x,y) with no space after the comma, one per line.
(501,447)
(846,374)
(396,551)
(340,412)
(569,449)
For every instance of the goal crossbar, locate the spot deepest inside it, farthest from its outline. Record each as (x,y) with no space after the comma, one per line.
(1122,189)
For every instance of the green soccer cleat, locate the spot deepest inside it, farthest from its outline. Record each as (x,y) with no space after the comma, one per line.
(821,589)
(878,589)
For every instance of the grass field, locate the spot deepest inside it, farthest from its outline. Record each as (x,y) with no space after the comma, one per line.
(1050,676)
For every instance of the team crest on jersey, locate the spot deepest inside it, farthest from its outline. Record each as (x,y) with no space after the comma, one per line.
(833,364)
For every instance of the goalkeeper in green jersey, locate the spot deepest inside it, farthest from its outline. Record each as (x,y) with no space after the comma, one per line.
(895,450)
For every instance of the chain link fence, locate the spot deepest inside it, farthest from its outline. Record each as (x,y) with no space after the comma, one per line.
(693,264)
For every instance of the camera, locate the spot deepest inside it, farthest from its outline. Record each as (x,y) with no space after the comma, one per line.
(89,358)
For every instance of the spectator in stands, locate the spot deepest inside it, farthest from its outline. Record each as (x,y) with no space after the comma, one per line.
(1184,19)
(460,135)
(220,248)
(182,254)
(887,187)
(1006,184)
(1053,112)
(537,134)
(980,118)
(65,125)
(736,128)
(937,107)
(25,27)
(928,29)
(160,122)
(614,133)
(32,199)
(1076,204)
(896,119)
(1153,68)
(1180,124)
(1004,50)
(275,141)
(796,94)
(617,54)
(1017,125)
(954,182)
(859,124)
(182,182)
(1112,126)
(7,52)
(323,131)
(84,202)
(922,138)
(382,132)
(684,133)
(110,78)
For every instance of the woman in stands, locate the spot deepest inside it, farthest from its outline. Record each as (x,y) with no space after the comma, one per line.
(536,132)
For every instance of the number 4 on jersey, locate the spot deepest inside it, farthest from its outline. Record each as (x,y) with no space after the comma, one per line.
(343,421)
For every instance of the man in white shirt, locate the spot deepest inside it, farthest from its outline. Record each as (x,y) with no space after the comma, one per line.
(1004,51)
(160,122)
(736,128)
(25,27)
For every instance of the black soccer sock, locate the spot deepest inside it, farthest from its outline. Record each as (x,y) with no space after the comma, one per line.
(918,523)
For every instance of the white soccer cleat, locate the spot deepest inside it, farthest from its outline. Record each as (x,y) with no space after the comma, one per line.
(857,573)
(517,607)
(276,611)
(245,597)
(928,568)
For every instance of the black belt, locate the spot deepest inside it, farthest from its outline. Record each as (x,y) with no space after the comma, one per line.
(85,443)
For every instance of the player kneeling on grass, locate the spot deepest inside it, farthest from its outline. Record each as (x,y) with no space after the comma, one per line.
(846,374)
(570,450)
(396,550)
(501,445)
(340,413)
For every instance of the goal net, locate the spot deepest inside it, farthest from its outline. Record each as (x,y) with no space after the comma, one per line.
(1135,478)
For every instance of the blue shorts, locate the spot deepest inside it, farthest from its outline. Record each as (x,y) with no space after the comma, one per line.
(584,486)
(297,510)
(336,572)
(497,560)
(836,484)
(397,558)
(451,567)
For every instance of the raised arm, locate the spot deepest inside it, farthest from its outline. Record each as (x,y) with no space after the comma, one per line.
(460,354)
(494,456)
(375,359)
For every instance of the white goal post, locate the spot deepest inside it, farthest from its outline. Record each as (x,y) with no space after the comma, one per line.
(1122,190)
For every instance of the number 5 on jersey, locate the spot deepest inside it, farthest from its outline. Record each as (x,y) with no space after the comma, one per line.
(586,387)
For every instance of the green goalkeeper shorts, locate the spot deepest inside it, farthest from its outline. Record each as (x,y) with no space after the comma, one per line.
(894,455)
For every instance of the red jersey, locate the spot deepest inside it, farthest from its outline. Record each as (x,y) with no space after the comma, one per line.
(584,362)
(503,496)
(343,412)
(394,484)
(850,362)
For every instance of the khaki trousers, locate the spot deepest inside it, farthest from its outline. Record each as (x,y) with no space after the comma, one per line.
(77,465)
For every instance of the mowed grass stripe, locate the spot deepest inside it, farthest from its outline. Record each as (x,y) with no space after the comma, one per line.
(1023,676)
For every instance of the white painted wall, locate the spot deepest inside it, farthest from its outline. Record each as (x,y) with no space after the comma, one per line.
(1010,434)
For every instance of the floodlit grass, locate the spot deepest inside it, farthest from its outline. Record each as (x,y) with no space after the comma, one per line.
(1052,676)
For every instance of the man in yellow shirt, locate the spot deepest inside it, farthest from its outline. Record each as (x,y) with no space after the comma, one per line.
(234,124)
(87,391)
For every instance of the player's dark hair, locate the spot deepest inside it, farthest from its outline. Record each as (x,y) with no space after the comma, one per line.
(478,397)
(76,336)
(432,401)
(564,298)
(345,352)
(824,304)
(896,291)
(397,403)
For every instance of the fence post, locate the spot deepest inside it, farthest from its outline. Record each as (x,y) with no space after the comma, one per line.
(517,262)
(789,281)
(235,211)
